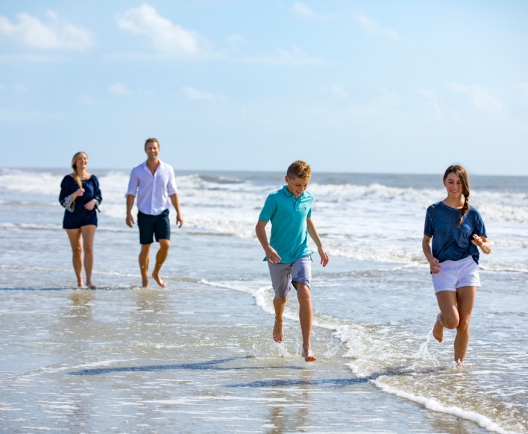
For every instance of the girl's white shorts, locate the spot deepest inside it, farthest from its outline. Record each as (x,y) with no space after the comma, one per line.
(456,274)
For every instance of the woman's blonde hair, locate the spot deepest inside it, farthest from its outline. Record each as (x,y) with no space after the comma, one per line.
(74,167)
(464,181)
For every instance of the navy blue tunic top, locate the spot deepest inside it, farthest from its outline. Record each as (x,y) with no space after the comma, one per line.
(76,215)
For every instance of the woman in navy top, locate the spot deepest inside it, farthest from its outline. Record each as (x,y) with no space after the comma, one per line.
(456,230)
(80,195)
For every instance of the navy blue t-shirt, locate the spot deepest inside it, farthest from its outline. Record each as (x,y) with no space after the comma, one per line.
(450,242)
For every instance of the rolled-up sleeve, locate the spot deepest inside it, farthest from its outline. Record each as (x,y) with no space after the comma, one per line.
(133,184)
(171,183)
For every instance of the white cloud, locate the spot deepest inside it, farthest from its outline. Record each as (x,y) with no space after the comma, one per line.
(58,33)
(192,93)
(303,10)
(372,27)
(165,36)
(236,41)
(293,56)
(432,101)
(479,96)
(118,89)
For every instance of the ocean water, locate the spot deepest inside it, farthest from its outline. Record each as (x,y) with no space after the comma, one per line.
(198,356)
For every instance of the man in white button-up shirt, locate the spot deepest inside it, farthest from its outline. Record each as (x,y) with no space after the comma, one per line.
(153,184)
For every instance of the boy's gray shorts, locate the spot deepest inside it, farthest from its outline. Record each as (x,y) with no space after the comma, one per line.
(282,275)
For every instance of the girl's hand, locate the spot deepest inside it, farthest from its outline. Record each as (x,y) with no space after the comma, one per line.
(323,255)
(79,192)
(434,266)
(477,241)
(90,205)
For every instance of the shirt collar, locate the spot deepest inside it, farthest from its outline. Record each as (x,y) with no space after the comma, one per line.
(290,194)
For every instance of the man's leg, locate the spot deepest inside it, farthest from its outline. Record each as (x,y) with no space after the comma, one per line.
(161,256)
(305,318)
(144,264)
(75,240)
(88,233)
(279,305)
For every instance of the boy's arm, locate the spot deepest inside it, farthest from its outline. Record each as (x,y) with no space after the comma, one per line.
(271,254)
(315,236)
(176,204)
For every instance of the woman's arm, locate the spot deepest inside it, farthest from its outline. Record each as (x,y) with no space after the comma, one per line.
(67,199)
(434,264)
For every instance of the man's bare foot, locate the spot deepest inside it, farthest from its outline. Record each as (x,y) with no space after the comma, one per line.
(144,282)
(438,330)
(278,334)
(90,285)
(157,278)
(308,355)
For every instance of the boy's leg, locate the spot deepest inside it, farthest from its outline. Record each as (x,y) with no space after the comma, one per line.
(280,279)
(305,318)
(279,305)
(302,276)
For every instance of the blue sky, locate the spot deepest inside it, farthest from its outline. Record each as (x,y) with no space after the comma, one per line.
(349,86)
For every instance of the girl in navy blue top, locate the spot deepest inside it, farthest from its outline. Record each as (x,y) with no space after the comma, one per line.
(456,230)
(80,195)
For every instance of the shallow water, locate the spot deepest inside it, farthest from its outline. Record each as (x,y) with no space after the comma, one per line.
(198,355)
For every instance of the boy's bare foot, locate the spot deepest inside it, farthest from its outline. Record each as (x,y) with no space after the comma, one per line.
(308,355)
(90,285)
(438,330)
(278,334)
(157,278)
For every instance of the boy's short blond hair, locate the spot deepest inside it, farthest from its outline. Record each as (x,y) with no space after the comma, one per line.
(299,169)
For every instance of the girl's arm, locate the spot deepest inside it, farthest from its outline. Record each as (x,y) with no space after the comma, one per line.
(482,242)
(315,236)
(434,264)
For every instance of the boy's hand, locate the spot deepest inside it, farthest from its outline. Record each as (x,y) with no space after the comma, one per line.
(272,255)
(323,255)
(434,266)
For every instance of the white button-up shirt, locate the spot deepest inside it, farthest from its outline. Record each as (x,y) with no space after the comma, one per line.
(153,191)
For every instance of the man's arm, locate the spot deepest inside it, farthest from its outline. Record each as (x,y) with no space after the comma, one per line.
(129,204)
(176,204)
(271,254)
(315,236)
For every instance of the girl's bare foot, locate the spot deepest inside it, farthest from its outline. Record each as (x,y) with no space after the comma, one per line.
(308,355)
(438,329)
(90,285)
(278,334)
(144,282)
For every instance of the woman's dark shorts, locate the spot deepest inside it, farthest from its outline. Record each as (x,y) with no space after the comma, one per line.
(150,225)
(78,218)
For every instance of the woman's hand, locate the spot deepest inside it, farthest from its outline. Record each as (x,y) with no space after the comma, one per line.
(78,193)
(90,205)
(434,265)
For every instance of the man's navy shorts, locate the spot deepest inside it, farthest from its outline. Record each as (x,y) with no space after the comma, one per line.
(150,225)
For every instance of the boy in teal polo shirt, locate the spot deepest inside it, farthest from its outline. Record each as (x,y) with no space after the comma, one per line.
(288,254)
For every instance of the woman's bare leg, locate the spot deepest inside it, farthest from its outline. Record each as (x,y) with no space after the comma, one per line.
(88,233)
(75,240)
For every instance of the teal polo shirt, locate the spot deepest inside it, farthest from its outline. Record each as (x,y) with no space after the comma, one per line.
(288,214)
